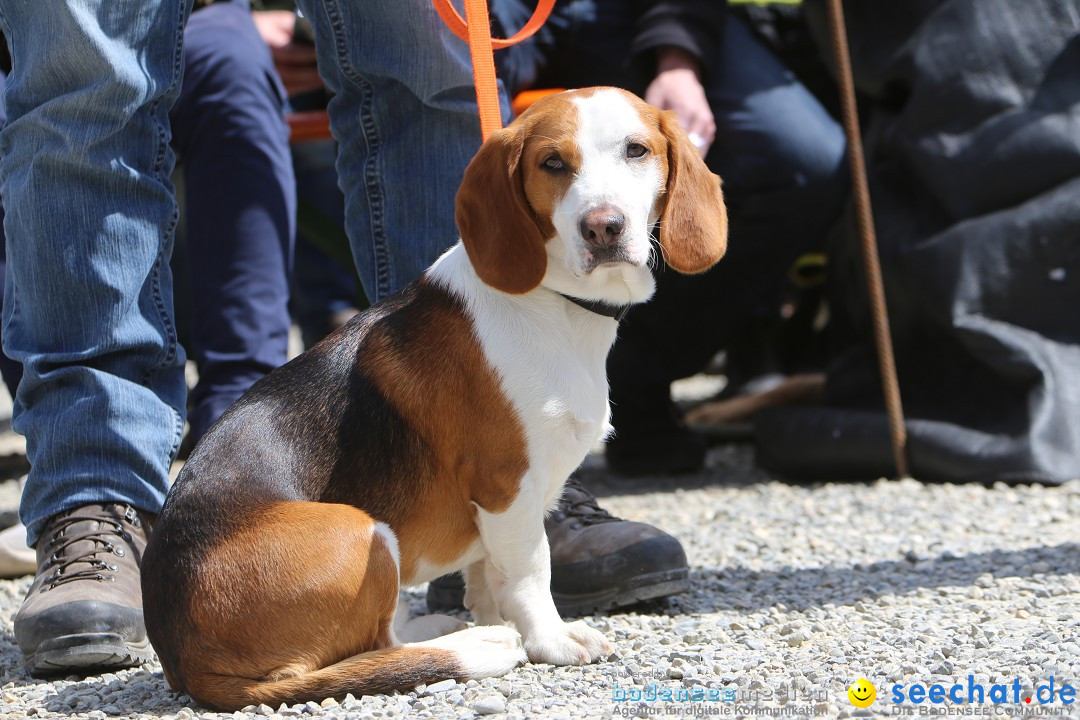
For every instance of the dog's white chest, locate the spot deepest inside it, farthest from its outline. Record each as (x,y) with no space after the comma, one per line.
(575,421)
(579,430)
(550,357)
(562,399)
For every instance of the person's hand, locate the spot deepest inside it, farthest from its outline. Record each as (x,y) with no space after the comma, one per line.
(295,61)
(677,87)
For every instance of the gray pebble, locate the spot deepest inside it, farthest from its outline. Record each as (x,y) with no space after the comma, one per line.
(441,686)
(489,705)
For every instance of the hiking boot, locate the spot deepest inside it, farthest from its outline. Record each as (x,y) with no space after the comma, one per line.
(83,613)
(598,561)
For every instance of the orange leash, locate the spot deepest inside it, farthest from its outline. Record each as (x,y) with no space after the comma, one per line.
(477,32)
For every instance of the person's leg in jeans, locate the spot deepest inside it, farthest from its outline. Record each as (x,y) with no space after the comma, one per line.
(15,558)
(782,160)
(232,142)
(405,114)
(11,370)
(88,311)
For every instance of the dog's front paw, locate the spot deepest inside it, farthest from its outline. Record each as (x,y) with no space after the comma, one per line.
(570,644)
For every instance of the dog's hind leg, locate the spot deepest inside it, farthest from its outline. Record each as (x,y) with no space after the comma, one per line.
(474,653)
(298,604)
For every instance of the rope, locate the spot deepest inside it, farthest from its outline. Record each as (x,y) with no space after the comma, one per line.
(476,30)
(868,238)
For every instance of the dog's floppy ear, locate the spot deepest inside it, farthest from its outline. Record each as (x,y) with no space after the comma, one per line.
(693,226)
(497,225)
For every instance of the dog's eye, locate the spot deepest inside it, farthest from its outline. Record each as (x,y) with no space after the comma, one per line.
(552,163)
(636,150)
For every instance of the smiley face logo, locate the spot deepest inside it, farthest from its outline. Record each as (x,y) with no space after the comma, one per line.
(861,693)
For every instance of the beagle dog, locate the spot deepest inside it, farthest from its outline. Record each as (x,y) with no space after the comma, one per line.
(431,433)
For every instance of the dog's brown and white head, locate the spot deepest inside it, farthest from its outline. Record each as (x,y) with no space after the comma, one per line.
(568,195)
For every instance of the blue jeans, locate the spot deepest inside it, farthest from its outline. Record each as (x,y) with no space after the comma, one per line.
(404,111)
(10,370)
(90,216)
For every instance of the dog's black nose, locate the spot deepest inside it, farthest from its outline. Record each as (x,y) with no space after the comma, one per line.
(602,226)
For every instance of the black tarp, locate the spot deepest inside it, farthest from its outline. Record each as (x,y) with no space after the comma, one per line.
(973,150)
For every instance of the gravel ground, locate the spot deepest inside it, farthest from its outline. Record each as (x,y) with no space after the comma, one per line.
(798,591)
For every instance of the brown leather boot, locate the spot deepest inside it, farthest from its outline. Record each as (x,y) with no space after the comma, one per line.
(83,613)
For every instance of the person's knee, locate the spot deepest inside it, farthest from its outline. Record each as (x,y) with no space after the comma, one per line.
(773,136)
(799,163)
(822,165)
(821,152)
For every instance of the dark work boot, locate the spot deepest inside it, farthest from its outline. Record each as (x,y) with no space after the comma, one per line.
(83,613)
(598,561)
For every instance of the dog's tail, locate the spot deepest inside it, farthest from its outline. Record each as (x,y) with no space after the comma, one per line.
(474,653)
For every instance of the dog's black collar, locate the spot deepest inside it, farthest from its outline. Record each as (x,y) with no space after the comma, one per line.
(618,312)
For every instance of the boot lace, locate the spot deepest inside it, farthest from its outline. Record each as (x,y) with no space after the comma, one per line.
(104,539)
(580,505)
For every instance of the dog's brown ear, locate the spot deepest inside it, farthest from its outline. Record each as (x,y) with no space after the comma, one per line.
(497,225)
(693,226)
